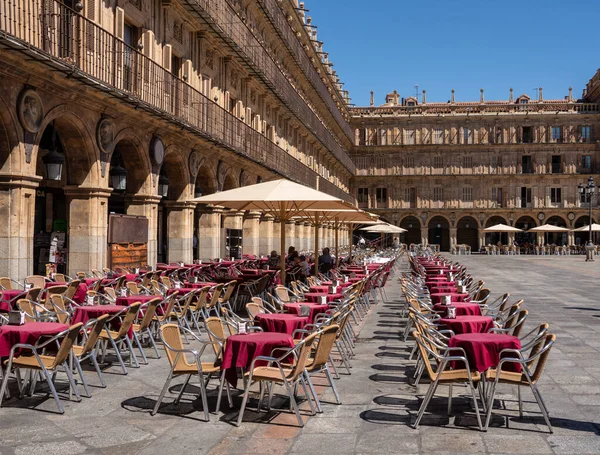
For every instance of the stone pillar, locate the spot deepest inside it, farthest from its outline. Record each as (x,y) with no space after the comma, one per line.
(300,236)
(180,227)
(265,241)
(276,239)
(251,225)
(308,234)
(17,211)
(453,240)
(424,236)
(209,235)
(290,235)
(481,237)
(571,238)
(88,228)
(147,205)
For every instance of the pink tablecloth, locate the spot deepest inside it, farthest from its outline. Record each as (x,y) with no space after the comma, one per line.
(315,308)
(315,297)
(443,289)
(281,323)
(462,309)
(28,333)
(483,349)
(325,289)
(85,313)
(437,297)
(199,284)
(126,301)
(240,350)
(7,296)
(468,324)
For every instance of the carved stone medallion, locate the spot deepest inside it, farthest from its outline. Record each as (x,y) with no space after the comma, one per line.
(30,110)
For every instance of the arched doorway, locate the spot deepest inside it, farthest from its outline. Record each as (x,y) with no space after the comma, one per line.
(467,232)
(127,175)
(525,238)
(439,232)
(492,238)
(557,238)
(581,238)
(413,230)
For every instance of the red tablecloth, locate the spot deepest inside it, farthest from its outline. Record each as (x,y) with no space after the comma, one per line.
(182,290)
(126,301)
(199,284)
(443,289)
(28,333)
(462,309)
(434,279)
(7,296)
(437,297)
(281,323)
(315,308)
(468,324)
(240,350)
(330,283)
(315,297)
(325,289)
(85,313)
(483,349)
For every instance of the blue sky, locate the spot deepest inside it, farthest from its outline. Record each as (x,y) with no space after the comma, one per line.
(464,45)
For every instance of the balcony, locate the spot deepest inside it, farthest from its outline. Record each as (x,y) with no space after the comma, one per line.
(66,41)
(228,26)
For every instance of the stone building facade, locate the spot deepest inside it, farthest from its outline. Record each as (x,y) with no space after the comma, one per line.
(446,171)
(194,96)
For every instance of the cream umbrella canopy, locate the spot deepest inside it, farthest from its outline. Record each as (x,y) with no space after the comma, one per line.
(548,228)
(337,218)
(502,228)
(385,228)
(282,198)
(595,228)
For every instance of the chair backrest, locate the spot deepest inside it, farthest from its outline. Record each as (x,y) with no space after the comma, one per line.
(519,323)
(28,308)
(216,331)
(170,301)
(133,287)
(544,349)
(258,301)
(81,275)
(325,343)
(60,277)
(303,355)
(171,338)
(216,293)
(111,292)
(72,289)
(201,298)
(149,313)
(62,314)
(54,290)
(482,295)
(282,293)
(120,282)
(5,282)
(166,281)
(229,288)
(37,281)
(33,293)
(128,319)
(253,309)
(93,333)
(66,344)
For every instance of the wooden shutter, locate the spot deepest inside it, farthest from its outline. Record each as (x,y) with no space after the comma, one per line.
(119,21)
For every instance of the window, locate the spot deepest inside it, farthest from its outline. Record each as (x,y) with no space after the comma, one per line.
(586,133)
(467,194)
(363,195)
(438,162)
(526,166)
(381,196)
(409,137)
(525,197)
(527,136)
(438,193)
(556,133)
(497,197)
(498,135)
(438,136)
(410,161)
(555,195)
(467,162)
(586,162)
(495,164)
(467,136)
(556,164)
(410,197)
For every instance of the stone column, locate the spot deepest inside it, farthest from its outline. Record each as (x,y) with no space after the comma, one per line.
(88,228)
(308,234)
(17,211)
(424,236)
(453,240)
(147,205)
(571,237)
(299,236)
(209,235)
(251,225)
(265,241)
(481,237)
(180,227)
(276,239)
(290,235)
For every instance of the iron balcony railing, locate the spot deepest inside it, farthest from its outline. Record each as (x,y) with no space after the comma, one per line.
(230,28)
(51,32)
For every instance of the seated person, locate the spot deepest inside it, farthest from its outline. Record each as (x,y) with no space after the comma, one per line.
(326,261)
(303,264)
(274,260)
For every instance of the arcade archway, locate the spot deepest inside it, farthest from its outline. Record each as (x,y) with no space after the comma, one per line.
(439,232)
(467,232)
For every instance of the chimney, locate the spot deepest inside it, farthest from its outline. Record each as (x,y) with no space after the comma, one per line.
(540,94)
(481,99)
(372,98)
(452,98)
(510,97)
(424,97)
(570,94)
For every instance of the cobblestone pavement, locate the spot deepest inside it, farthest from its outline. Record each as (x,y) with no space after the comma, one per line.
(379,398)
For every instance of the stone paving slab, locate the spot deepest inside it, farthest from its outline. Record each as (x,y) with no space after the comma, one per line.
(379,397)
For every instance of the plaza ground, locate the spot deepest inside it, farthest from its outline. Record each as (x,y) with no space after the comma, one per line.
(379,399)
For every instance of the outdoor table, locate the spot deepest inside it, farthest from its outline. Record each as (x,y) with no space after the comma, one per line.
(468,324)
(168,268)
(325,289)
(28,333)
(315,297)
(443,289)
(280,322)
(80,293)
(126,301)
(181,290)
(241,349)
(255,272)
(7,296)
(438,297)
(199,284)
(437,279)
(315,308)
(330,283)
(462,309)
(85,313)
(483,349)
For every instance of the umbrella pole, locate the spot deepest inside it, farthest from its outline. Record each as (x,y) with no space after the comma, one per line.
(337,256)
(351,235)
(282,256)
(317,246)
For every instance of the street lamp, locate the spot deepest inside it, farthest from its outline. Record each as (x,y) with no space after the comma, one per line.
(53,160)
(118,177)
(163,185)
(587,194)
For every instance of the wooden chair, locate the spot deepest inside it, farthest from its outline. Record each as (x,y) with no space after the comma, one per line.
(253,309)
(143,328)
(36,281)
(117,338)
(189,362)
(90,333)
(47,364)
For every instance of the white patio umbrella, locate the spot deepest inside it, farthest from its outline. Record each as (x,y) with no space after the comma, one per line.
(595,228)
(281,198)
(384,229)
(502,228)
(548,228)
